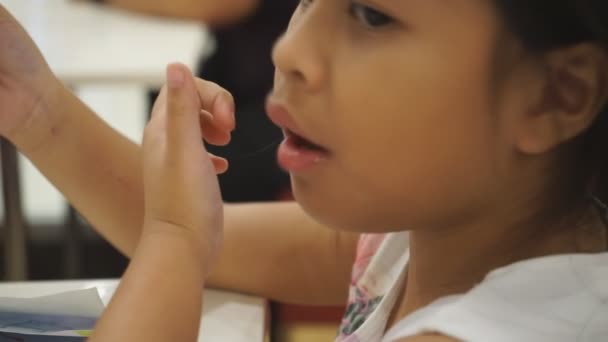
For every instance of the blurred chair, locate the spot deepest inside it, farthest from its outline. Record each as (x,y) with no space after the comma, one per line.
(15,256)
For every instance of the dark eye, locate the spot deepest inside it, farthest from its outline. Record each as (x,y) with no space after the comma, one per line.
(368,16)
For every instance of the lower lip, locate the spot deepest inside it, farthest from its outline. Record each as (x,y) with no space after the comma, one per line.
(295,159)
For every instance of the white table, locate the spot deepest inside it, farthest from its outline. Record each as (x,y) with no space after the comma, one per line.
(227,317)
(87,43)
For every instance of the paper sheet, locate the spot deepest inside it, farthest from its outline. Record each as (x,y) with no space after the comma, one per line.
(72,314)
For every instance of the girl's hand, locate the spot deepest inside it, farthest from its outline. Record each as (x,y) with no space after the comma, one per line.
(181,190)
(27,85)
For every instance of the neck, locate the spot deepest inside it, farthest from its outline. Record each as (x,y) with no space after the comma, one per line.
(451,261)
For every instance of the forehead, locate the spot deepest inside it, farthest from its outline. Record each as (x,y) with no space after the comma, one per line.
(439,7)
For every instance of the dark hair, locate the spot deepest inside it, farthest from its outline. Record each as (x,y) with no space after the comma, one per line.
(546,25)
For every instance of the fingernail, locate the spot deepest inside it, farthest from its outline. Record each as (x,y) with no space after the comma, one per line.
(175,77)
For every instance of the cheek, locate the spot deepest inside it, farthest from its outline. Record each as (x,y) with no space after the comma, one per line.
(423,145)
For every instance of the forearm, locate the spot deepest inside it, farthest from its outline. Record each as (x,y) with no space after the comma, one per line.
(273,250)
(95,167)
(160,295)
(276,251)
(208,11)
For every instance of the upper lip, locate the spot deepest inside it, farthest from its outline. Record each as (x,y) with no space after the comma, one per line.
(280,116)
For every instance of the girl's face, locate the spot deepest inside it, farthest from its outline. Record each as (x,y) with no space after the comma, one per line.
(402,98)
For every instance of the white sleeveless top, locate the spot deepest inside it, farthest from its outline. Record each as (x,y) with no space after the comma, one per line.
(554,299)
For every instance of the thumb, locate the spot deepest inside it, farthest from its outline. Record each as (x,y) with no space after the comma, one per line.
(183,103)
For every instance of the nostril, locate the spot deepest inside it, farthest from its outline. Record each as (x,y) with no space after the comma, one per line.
(299,75)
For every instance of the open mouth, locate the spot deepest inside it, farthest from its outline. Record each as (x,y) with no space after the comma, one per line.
(302,143)
(297,154)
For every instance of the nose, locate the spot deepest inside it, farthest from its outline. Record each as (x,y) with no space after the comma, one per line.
(299,55)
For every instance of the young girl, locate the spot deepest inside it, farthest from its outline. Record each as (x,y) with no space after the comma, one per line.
(477,126)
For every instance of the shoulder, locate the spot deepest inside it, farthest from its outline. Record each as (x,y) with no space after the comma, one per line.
(428,338)
(555,298)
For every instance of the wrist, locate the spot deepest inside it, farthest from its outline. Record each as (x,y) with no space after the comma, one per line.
(45,119)
(176,235)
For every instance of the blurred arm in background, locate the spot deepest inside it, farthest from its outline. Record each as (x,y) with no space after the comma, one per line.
(211,12)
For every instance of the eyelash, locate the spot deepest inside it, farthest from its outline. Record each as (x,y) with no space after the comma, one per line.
(361,12)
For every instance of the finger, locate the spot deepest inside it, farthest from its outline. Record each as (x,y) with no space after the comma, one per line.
(213,135)
(219,102)
(182,104)
(220,164)
(160,103)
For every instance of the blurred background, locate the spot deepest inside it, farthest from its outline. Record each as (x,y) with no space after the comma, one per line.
(112,54)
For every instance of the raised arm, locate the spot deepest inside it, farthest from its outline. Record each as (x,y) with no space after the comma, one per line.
(213,12)
(160,296)
(99,171)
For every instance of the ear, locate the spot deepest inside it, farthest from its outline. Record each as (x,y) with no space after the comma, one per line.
(574,92)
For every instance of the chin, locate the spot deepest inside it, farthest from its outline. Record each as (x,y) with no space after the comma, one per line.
(333,210)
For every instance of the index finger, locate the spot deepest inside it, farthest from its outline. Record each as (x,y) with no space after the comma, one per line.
(219,102)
